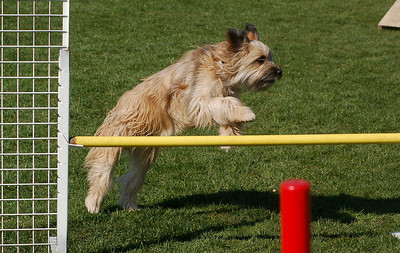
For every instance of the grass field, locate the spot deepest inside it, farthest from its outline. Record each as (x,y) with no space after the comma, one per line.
(341,75)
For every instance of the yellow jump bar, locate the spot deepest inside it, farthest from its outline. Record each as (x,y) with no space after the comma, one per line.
(243,140)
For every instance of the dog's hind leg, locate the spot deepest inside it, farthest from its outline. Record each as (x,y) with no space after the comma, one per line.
(101,163)
(140,161)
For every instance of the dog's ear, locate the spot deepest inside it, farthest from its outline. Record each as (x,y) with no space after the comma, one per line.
(236,38)
(251,32)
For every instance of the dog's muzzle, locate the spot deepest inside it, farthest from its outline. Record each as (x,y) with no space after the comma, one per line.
(274,73)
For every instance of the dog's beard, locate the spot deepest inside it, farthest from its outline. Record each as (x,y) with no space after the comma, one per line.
(266,81)
(261,80)
(263,84)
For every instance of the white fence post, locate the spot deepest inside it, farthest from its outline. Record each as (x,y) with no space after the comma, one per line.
(34,110)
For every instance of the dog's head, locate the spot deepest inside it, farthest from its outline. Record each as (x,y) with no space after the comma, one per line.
(247,61)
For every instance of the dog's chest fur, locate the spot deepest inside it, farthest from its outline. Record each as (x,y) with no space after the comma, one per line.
(195,77)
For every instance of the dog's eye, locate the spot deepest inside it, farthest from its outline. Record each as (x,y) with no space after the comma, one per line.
(262,59)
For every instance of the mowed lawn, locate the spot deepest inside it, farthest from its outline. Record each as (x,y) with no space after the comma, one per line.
(340,75)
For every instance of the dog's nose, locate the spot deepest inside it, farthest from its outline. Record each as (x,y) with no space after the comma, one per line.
(279,73)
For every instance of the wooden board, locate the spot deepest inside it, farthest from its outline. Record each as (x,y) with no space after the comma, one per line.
(392,18)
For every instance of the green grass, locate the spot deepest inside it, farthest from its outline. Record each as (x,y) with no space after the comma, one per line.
(341,75)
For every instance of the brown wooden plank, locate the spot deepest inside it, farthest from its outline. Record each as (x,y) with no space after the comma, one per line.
(392,18)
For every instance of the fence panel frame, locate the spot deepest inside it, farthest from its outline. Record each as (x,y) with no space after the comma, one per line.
(34,125)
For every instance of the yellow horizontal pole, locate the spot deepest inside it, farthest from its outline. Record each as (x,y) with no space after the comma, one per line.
(244,140)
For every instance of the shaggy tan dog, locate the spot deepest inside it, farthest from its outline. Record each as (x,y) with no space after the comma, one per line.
(199,90)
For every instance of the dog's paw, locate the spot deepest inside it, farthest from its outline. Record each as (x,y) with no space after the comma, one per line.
(250,116)
(93,209)
(92,204)
(227,148)
(245,114)
(128,206)
(132,209)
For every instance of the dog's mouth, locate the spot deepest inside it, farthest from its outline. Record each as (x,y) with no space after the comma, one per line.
(268,81)
(264,84)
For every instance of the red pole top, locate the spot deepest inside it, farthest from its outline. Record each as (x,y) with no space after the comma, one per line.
(295,185)
(295,216)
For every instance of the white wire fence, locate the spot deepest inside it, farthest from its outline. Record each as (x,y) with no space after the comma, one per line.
(34,109)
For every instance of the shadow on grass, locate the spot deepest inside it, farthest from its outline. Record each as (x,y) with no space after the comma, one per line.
(336,207)
(329,207)
(190,236)
(240,198)
(323,207)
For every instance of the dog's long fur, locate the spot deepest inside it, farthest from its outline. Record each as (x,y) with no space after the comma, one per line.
(199,90)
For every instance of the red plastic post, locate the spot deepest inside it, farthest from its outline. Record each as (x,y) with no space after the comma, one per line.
(295,216)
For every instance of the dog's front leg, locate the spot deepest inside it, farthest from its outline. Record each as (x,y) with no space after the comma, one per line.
(238,115)
(230,130)
(223,111)
(228,112)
